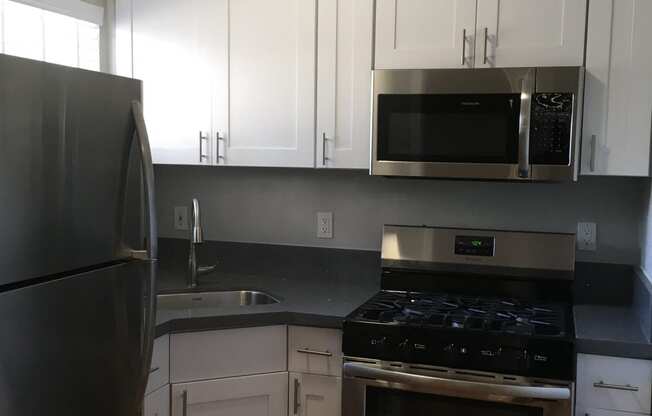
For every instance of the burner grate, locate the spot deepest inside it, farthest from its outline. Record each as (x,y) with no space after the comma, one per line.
(464,312)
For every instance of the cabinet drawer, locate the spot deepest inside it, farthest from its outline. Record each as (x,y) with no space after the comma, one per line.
(581,411)
(228,353)
(315,350)
(159,370)
(158,403)
(611,383)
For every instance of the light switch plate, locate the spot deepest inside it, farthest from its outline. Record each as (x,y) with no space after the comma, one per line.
(324,225)
(181,218)
(586,236)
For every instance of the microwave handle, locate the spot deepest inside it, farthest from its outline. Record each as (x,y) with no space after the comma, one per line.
(524,125)
(362,370)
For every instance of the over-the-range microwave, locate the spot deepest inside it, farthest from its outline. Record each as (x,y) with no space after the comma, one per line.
(493,124)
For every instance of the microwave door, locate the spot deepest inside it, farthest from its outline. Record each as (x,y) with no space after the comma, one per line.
(449,135)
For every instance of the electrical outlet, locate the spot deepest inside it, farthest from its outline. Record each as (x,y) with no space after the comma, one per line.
(586,236)
(324,225)
(180,218)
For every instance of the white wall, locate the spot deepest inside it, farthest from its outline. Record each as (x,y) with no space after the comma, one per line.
(279,205)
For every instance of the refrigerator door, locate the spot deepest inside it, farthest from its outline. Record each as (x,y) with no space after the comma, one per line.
(69,199)
(73,346)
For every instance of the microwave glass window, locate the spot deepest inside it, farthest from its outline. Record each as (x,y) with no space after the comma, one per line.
(455,128)
(389,402)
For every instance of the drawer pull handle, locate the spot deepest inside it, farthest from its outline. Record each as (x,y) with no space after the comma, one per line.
(153,370)
(314,352)
(184,403)
(603,385)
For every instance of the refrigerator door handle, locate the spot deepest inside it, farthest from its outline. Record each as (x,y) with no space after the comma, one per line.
(148,176)
(152,241)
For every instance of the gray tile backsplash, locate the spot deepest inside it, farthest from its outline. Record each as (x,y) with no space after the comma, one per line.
(279,206)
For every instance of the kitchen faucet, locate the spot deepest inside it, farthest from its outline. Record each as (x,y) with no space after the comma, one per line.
(196,237)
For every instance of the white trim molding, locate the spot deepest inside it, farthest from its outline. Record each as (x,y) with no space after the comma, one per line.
(73,8)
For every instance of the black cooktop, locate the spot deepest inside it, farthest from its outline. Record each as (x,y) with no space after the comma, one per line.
(464,313)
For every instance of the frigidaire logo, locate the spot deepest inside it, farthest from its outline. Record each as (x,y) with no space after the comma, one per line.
(470,103)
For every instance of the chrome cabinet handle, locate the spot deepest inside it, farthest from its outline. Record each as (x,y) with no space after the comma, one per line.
(626,387)
(593,146)
(217,143)
(184,403)
(323,149)
(463,47)
(202,137)
(486,38)
(297,404)
(314,352)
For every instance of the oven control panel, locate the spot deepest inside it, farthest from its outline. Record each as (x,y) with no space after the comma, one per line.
(483,352)
(550,128)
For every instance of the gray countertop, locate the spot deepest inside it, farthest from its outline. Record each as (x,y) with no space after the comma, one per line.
(610,330)
(316,287)
(319,287)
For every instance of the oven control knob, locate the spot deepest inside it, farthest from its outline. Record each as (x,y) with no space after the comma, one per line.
(449,348)
(404,345)
(463,350)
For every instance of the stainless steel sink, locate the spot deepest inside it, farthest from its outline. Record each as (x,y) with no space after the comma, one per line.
(214,299)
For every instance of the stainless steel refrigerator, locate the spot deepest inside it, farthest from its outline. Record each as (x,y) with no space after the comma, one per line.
(77,242)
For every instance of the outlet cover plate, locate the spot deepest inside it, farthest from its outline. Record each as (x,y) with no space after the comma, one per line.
(586,236)
(181,218)
(324,225)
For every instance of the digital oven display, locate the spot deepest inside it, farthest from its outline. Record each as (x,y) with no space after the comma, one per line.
(474,246)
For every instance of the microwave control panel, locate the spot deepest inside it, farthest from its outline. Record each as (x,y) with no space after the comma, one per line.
(551,121)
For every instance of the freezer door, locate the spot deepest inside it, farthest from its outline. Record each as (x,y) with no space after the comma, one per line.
(69,172)
(74,346)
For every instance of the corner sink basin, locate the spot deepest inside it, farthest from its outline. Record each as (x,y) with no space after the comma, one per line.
(214,299)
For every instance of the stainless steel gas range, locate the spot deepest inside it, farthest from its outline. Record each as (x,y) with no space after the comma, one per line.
(468,322)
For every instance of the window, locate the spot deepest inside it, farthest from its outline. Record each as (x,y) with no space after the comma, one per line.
(35,33)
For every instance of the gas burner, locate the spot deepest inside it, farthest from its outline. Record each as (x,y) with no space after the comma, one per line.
(508,316)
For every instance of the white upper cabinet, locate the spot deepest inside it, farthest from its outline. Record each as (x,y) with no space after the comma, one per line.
(179,51)
(515,33)
(417,34)
(272,54)
(618,90)
(424,33)
(344,61)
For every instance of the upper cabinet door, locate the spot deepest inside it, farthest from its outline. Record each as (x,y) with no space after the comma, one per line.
(178,47)
(272,83)
(618,90)
(344,55)
(513,33)
(419,34)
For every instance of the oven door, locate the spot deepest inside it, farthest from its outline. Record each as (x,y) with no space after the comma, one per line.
(370,390)
(471,124)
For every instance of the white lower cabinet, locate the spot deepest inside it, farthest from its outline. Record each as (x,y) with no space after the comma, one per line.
(599,412)
(614,384)
(157,403)
(314,395)
(257,395)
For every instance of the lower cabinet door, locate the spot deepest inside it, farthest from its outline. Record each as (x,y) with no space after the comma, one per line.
(582,411)
(258,395)
(157,403)
(313,395)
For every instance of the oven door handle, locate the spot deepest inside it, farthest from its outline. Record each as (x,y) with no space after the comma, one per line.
(474,387)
